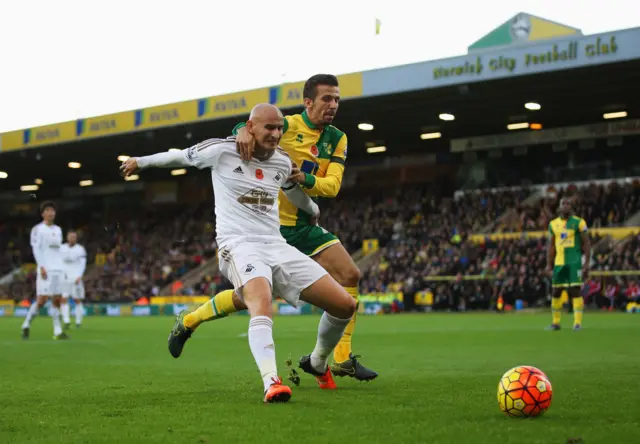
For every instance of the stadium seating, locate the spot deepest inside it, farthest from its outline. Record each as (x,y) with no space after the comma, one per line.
(420,237)
(422,247)
(600,205)
(144,255)
(133,254)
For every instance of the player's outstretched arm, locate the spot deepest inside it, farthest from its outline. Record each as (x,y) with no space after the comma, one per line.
(170,159)
(201,156)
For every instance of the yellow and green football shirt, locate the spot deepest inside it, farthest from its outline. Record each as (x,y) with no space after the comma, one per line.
(320,153)
(568,241)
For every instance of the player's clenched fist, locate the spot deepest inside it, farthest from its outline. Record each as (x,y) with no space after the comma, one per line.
(245,144)
(129,167)
(297,176)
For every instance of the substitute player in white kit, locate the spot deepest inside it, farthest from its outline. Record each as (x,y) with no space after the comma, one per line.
(253,255)
(75,263)
(46,240)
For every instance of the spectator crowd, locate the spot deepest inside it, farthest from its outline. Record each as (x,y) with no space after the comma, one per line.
(422,237)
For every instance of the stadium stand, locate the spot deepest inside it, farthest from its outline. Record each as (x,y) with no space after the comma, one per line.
(599,204)
(134,254)
(417,250)
(422,219)
(419,236)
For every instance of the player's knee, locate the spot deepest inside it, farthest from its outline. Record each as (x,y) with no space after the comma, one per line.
(260,307)
(349,276)
(257,297)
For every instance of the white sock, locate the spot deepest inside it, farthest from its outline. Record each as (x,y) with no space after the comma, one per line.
(32,313)
(330,331)
(66,312)
(57,326)
(263,348)
(79,312)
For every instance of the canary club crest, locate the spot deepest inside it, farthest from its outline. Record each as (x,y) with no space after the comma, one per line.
(314,150)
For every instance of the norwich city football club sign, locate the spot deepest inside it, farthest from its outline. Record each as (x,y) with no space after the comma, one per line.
(552,55)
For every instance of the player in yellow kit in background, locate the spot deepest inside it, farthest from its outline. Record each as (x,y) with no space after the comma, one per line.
(569,240)
(319,151)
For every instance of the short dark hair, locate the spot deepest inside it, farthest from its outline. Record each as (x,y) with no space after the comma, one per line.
(311,85)
(47,204)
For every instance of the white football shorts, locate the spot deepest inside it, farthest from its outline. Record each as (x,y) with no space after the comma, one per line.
(73,290)
(53,285)
(288,270)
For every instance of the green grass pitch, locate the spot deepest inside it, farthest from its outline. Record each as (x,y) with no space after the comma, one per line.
(115,382)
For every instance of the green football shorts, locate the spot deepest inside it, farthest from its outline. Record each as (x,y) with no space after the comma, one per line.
(567,275)
(309,239)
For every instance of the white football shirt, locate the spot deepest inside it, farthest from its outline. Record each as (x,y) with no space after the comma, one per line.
(46,241)
(75,260)
(245,193)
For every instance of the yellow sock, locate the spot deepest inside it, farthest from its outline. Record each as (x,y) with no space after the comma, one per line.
(556,310)
(578,307)
(343,349)
(219,307)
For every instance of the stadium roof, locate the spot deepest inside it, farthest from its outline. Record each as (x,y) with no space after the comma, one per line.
(482,104)
(566,97)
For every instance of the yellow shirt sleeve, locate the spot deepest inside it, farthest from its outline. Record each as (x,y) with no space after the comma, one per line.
(340,151)
(329,185)
(286,124)
(582,226)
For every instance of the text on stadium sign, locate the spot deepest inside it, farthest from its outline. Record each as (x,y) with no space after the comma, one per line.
(557,53)
(230,105)
(53,133)
(294,94)
(161,116)
(102,125)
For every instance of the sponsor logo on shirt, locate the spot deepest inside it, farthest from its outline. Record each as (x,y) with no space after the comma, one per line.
(258,200)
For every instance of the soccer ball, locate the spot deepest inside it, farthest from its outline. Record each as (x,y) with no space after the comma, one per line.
(524,391)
